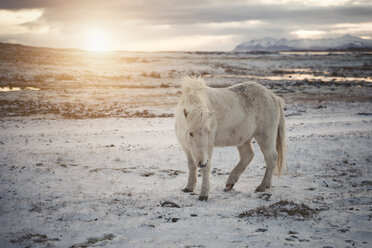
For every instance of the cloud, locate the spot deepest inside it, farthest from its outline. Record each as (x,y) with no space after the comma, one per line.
(309,2)
(19,21)
(306,34)
(231,25)
(350,28)
(9,17)
(206,24)
(186,43)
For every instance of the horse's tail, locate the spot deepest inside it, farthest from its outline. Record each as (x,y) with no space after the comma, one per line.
(281,138)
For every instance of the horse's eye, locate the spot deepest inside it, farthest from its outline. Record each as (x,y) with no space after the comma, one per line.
(191,134)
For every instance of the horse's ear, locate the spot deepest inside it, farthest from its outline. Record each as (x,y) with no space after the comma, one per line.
(185,113)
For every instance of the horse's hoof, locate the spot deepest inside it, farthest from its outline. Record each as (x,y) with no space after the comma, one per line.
(261,188)
(228,187)
(203,198)
(186,190)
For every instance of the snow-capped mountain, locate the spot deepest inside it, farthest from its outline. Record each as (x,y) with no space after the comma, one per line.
(270,44)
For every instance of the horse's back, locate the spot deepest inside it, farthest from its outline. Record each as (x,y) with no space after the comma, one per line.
(261,101)
(255,96)
(252,89)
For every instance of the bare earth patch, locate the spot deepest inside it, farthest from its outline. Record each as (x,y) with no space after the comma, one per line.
(93,241)
(281,208)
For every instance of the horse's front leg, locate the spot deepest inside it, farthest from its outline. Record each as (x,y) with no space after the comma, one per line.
(206,171)
(204,192)
(192,179)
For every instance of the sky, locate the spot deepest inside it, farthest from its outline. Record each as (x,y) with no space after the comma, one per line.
(177,25)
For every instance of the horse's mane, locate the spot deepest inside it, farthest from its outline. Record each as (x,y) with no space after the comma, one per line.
(195,102)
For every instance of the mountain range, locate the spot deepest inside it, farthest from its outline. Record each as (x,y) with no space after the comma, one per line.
(341,43)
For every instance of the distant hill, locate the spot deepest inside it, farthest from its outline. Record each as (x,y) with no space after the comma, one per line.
(346,42)
(16,46)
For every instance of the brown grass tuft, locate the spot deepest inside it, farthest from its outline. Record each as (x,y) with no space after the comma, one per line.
(282,208)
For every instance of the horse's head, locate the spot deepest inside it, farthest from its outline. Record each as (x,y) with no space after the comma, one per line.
(199,118)
(199,135)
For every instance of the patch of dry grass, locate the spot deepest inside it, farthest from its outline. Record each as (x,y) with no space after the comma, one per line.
(281,208)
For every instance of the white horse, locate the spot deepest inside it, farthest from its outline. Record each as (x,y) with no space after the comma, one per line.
(207,117)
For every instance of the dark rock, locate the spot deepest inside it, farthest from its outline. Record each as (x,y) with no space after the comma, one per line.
(169,204)
(174,220)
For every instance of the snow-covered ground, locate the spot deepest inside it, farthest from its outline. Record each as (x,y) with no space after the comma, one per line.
(105,182)
(81,167)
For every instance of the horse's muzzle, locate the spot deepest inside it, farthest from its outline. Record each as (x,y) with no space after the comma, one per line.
(202,165)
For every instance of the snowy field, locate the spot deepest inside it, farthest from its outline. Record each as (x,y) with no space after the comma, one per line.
(89,157)
(102,182)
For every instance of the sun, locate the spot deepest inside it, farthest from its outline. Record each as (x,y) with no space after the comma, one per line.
(96,40)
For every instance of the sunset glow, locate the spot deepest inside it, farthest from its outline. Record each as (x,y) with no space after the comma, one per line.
(96,40)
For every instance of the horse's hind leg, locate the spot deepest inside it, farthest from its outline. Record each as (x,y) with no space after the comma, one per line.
(268,148)
(246,155)
(192,179)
